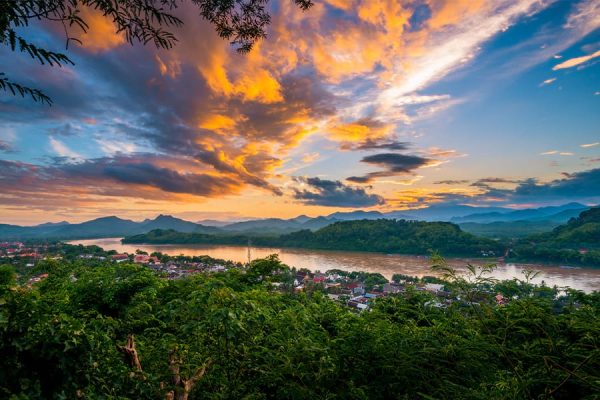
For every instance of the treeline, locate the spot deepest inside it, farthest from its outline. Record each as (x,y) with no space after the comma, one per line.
(118,331)
(383,235)
(577,242)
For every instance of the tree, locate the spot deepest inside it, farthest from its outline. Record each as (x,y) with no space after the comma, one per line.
(242,22)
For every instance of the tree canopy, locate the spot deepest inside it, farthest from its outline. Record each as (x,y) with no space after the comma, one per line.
(382,235)
(242,22)
(106,330)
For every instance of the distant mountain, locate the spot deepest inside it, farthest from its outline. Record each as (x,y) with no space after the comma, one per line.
(265,226)
(508,229)
(448,212)
(553,213)
(355,215)
(462,214)
(170,222)
(219,223)
(52,224)
(318,223)
(101,227)
(302,219)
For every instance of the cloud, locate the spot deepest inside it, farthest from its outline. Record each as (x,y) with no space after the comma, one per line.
(310,157)
(556,152)
(584,184)
(452,182)
(392,164)
(498,180)
(573,62)
(110,146)
(62,150)
(547,81)
(67,129)
(212,123)
(587,145)
(101,34)
(141,175)
(329,193)
(5,146)
(377,144)
(364,129)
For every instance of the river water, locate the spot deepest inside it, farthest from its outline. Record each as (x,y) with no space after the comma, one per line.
(586,279)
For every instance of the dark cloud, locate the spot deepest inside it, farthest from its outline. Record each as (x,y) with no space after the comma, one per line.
(498,180)
(392,164)
(452,182)
(140,175)
(584,184)
(377,144)
(5,146)
(131,96)
(67,129)
(328,193)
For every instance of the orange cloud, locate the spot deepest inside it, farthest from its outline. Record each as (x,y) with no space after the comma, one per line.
(451,12)
(573,62)
(102,32)
(217,122)
(360,130)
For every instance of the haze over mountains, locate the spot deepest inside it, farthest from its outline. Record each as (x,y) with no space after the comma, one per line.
(479,220)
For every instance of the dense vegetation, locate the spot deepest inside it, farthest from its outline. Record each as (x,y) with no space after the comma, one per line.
(120,331)
(382,235)
(508,229)
(577,242)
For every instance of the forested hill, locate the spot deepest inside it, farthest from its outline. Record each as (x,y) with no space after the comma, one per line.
(382,235)
(583,231)
(577,241)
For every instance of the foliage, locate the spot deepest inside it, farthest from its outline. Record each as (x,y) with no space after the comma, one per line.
(577,242)
(242,22)
(78,334)
(383,235)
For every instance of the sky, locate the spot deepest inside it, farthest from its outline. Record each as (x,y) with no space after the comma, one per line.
(354,104)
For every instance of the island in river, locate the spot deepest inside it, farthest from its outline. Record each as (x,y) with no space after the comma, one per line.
(574,243)
(381,235)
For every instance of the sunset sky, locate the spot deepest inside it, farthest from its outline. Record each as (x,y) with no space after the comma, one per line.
(354,104)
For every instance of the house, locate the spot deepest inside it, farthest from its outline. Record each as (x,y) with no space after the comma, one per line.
(145,259)
(389,288)
(120,257)
(356,288)
(319,279)
(434,287)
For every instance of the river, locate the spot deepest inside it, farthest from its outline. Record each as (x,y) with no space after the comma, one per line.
(586,279)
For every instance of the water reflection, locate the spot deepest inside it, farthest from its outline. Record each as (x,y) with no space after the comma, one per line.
(586,279)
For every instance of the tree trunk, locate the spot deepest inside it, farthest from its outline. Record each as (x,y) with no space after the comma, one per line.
(183,386)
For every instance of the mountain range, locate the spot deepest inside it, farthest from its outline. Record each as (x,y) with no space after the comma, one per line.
(473,219)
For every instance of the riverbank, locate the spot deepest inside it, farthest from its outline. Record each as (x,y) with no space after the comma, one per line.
(587,279)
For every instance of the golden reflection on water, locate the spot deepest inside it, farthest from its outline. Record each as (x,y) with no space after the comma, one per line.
(587,279)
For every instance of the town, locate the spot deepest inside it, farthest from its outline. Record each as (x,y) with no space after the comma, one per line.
(357,290)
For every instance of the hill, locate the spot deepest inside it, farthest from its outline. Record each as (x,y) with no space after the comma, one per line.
(509,229)
(552,213)
(577,241)
(101,227)
(382,235)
